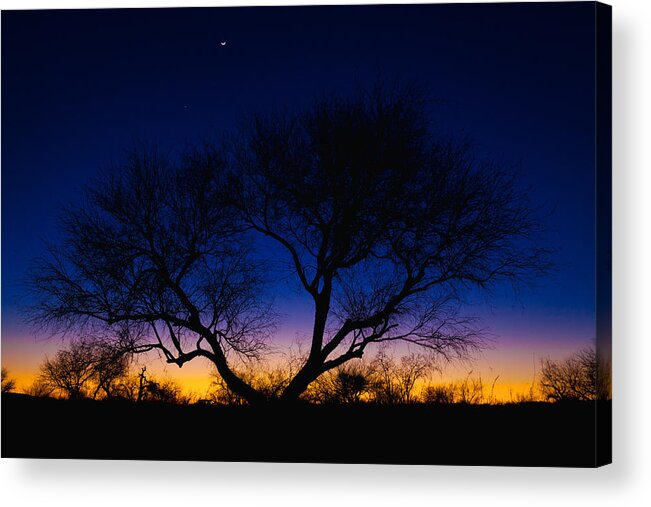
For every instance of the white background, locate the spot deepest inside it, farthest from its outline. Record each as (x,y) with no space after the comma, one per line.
(626,482)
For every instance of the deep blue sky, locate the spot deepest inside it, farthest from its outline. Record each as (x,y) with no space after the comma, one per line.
(80,86)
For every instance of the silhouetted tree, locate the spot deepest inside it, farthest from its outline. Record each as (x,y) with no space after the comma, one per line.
(576,378)
(162,391)
(384,224)
(394,382)
(468,391)
(110,365)
(8,384)
(70,371)
(131,386)
(604,377)
(39,389)
(142,384)
(348,383)
(84,368)
(441,394)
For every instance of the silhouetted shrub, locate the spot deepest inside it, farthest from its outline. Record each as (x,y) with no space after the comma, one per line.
(439,394)
(395,381)
(349,383)
(84,369)
(270,383)
(8,384)
(39,389)
(579,377)
(469,390)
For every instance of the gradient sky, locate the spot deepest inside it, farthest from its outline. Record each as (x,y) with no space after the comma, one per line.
(78,87)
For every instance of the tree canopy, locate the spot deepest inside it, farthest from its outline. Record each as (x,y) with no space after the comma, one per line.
(384,225)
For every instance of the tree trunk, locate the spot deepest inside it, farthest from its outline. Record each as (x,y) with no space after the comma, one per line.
(234,383)
(237,385)
(300,382)
(314,365)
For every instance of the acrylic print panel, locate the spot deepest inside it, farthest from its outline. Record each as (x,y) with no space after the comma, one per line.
(353,234)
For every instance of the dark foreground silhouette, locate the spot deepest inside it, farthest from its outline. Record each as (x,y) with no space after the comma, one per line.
(527,434)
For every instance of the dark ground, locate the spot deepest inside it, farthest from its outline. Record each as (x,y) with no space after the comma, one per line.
(532,434)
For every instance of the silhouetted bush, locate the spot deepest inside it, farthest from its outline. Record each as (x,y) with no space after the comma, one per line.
(163,391)
(468,391)
(270,383)
(395,381)
(348,383)
(70,371)
(39,389)
(579,377)
(8,384)
(442,394)
(84,369)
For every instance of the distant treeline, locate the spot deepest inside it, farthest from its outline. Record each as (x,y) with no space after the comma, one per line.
(90,369)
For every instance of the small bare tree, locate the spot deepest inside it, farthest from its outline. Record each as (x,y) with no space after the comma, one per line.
(162,391)
(84,368)
(39,389)
(131,386)
(71,370)
(111,365)
(440,394)
(468,390)
(394,381)
(8,384)
(576,378)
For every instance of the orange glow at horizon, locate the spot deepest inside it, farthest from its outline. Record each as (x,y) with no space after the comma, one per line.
(507,372)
